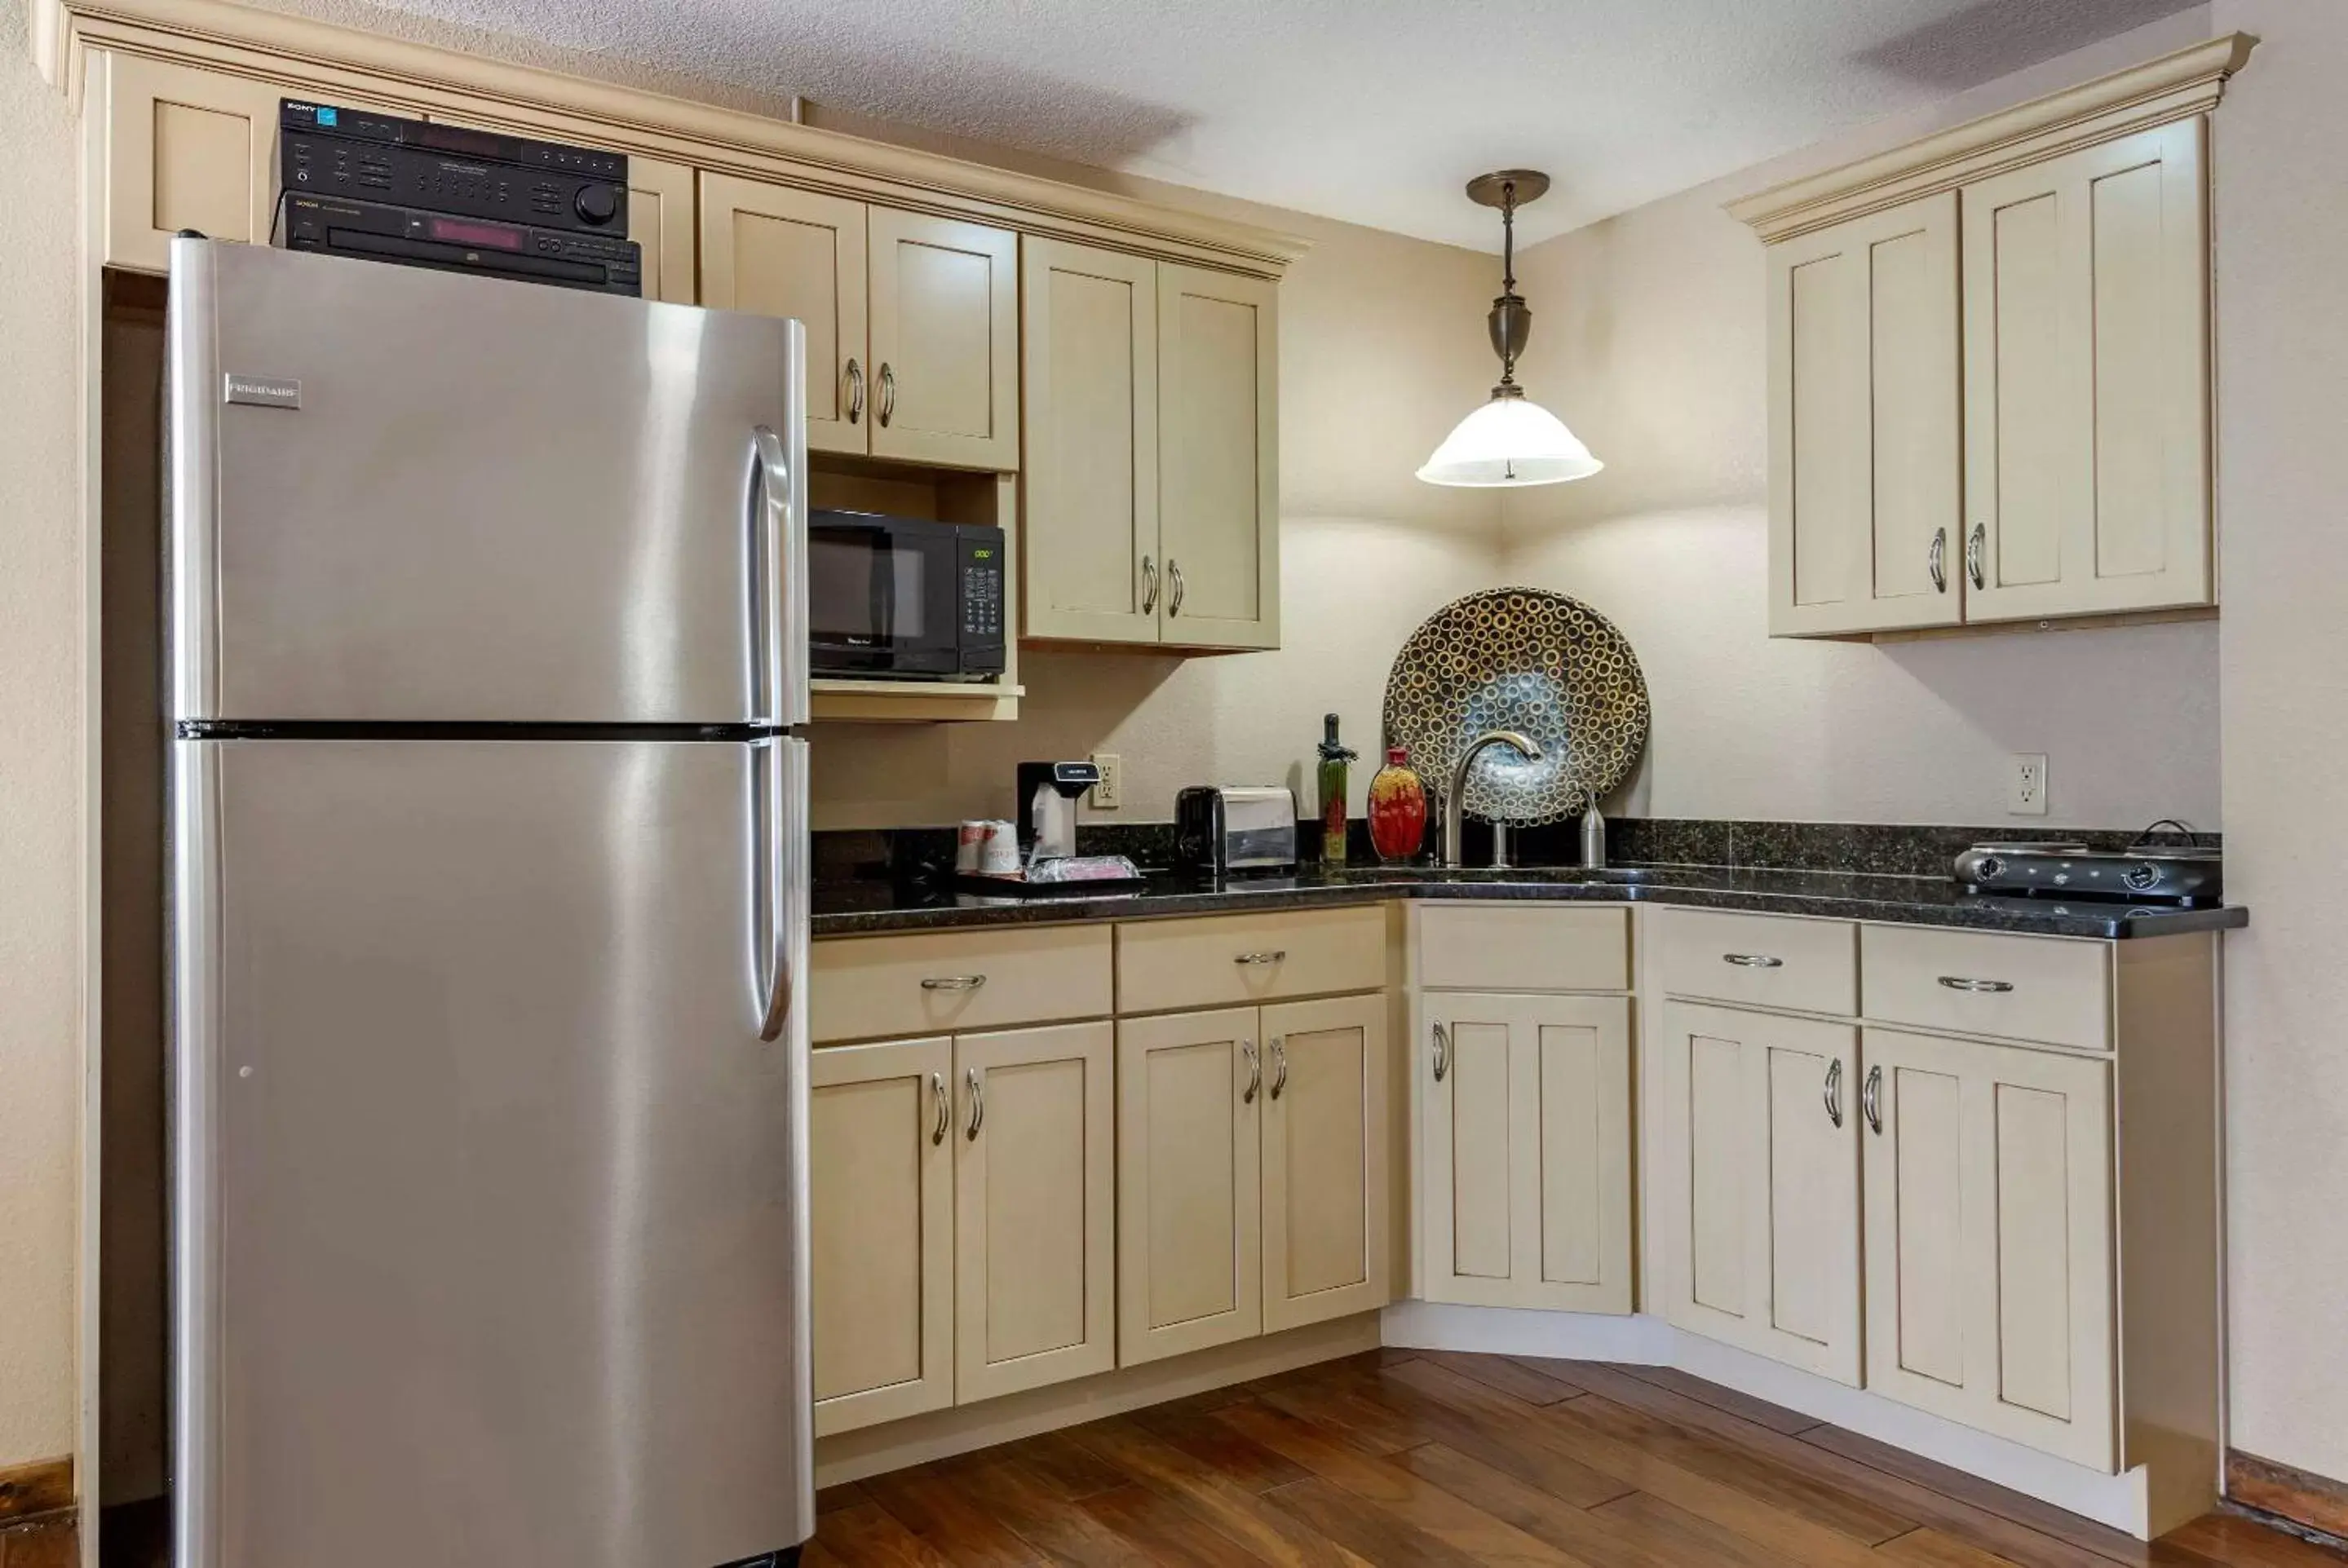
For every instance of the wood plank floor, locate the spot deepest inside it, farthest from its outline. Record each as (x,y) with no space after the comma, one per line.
(1429,1458)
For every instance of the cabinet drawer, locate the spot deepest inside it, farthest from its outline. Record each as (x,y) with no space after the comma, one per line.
(865,987)
(1518,948)
(1235,960)
(1809,966)
(1968,982)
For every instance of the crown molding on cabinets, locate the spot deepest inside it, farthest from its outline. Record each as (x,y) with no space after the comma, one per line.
(221,36)
(2186,82)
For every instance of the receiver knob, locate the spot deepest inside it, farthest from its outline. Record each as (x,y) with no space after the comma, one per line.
(596,203)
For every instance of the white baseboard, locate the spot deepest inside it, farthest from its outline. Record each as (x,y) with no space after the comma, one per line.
(2120,1502)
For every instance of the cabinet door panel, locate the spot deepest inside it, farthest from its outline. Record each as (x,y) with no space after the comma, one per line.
(1526,1188)
(945,340)
(1989,1243)
(1035,1195)
(1324,1160)
(1189,1188)
(661,220)
(2087,380)
(776,251)
(1753,1212)
(1089,356)
(1218,368)
(879,1198)
(187,149)
(1864,450)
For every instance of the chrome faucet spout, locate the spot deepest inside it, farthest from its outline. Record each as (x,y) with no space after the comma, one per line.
(1454,799)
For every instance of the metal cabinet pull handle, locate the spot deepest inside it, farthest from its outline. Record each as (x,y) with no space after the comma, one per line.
(945,1107)
(1279,1067)
(1870,1099)
(1442,1053)
(888,392)
(1752,960)
(1981,988)
(1149,586)
(1939,561)
(1174,576)
(1255,1072)
(977,1104)
(954,982)
(1976,547)
(1272,956)
(855,391)
(1834,1092)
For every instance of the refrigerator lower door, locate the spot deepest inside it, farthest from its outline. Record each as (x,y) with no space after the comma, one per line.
(489,1198)
(405,496)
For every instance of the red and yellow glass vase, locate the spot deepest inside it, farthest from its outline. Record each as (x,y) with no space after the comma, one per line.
(1397,808)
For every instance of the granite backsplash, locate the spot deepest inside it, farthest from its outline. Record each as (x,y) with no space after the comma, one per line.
(1884,849)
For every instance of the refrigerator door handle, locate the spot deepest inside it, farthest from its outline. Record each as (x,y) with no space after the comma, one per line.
(779,549)
(779,842)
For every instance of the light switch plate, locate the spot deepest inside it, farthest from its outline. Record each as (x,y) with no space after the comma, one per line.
(1107,795)
(2025,784)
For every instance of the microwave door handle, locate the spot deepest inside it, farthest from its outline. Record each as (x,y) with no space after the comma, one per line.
(778,517)
(884,591)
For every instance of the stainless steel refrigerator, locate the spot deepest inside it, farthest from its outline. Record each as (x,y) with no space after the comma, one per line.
(488,926)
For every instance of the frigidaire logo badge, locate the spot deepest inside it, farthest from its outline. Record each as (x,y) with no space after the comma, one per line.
(263,391)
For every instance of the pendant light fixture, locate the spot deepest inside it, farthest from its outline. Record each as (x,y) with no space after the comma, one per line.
(1511,440)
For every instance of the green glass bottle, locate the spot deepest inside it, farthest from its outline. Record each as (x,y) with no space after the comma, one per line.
(1334,758)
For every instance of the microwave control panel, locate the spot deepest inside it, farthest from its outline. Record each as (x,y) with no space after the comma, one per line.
(981,600)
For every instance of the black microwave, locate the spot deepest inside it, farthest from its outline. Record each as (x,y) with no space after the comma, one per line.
(903,597)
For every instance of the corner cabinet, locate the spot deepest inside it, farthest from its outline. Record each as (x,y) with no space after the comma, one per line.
(1990,368)
(1152,451)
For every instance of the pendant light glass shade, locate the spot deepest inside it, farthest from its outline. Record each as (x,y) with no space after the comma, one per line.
(1510,441)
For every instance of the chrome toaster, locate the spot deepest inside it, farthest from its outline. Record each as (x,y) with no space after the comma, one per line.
(1234,827)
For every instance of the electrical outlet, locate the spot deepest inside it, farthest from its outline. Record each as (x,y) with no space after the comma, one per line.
(2025,784)
(1106,795)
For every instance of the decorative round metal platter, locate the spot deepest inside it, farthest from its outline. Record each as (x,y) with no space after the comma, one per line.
(1519,659)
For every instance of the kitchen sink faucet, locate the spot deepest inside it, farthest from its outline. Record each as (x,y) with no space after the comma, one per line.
(1455,799)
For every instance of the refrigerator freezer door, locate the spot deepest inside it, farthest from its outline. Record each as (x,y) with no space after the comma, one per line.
(400,495)
(492,1218)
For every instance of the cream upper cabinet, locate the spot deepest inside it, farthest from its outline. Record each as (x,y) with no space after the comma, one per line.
(1324,1160)
(2087,380)
(1753,1207)
(1526,1185)
(880,1159)
(1219,470)
(1865,513)
(188,149)
(661,220)
(912,322)
(1034,1203)
(780,251)
(944,301)
(1089,320)
(1989,1198)
(1190,1091)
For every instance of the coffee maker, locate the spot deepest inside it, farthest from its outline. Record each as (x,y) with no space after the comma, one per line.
(1047,802)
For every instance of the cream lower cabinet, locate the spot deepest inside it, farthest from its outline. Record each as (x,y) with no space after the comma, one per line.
(1252,1171)
(912,321)
(881,1231)
(963,1231)
(1989,1258)
(1753,1202)
(1526,1179)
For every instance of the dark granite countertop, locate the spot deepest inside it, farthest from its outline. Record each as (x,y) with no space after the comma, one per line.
(852,907)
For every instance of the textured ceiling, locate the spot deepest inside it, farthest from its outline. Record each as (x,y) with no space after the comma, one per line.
(1376,111)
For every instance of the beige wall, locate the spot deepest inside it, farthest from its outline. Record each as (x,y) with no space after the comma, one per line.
(40,757)
(1649,339)
(2282,489)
